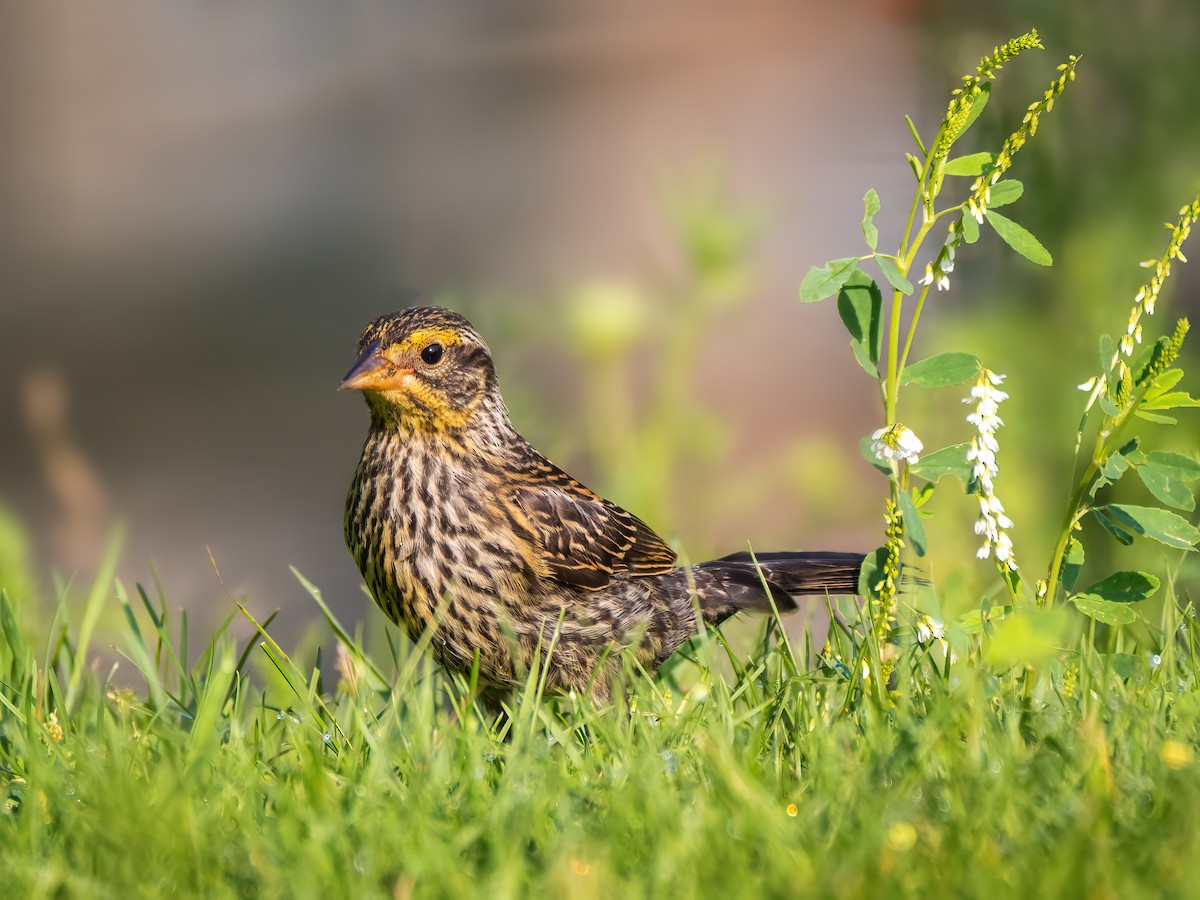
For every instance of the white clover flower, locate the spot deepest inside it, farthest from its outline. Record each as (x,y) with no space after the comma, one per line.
(993,524)
(896,442)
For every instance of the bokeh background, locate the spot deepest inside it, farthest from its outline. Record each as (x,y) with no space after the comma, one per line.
(204,203)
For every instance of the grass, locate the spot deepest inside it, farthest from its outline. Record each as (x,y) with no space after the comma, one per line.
(776,778)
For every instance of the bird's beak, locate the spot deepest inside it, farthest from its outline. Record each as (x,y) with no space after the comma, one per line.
(373,372)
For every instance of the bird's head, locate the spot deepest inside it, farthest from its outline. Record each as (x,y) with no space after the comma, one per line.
(423,367)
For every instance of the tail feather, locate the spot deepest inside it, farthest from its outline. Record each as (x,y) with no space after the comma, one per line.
(819,572)
(758,582)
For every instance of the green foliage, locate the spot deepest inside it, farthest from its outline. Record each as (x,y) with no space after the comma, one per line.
(1017,237)
(390,780)
(1127,389)
(942,370)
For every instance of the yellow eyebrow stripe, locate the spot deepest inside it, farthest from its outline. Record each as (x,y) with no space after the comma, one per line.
(443,336)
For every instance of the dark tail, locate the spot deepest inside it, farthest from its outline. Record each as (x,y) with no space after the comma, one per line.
(736,583)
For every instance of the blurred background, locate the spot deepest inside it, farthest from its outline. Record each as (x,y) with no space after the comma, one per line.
(204,203)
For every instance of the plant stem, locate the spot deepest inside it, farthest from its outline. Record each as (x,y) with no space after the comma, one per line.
(1076,510)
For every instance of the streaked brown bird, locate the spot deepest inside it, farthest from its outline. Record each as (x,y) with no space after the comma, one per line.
(461,528)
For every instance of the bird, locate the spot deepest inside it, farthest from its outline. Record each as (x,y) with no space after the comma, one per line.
(469,537)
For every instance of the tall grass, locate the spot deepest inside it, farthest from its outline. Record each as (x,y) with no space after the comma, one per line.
(390,782)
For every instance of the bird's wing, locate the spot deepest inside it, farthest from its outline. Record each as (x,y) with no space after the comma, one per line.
(577,536)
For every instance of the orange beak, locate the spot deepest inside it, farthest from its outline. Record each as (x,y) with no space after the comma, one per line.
(373,372)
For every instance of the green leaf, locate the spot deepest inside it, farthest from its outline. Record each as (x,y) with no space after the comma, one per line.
(1029,636)
(1108,351)
(942,370)
(974,620)
(970,228)
(1113,528)
(915,165)
(887,265)
(1017,237)
(1163,383)
(923,494)
(871,572)
(1114,467)
(1163,485)
(1126,665)
(1173,400)
(1137,363)
(1156,417)
(1161,525)
(981,100)
(860,305)
(870,208)
(824,281)
(1123,587)
(973,164)
(863,357)
(1104,610)
(1005,192)
(1117,462)
(1180,467)
(1072,563)
(950,460)
(916,136)
(912,523)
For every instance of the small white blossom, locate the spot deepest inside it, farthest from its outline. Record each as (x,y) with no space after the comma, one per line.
(938,271)
(929,628)
(896,442)
(993,524)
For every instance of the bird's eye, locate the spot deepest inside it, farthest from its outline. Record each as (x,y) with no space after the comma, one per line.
(432,354)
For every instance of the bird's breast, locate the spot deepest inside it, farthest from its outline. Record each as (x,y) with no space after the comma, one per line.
(426,529)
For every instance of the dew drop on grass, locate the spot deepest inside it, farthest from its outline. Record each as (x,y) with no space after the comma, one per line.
(1155,661)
